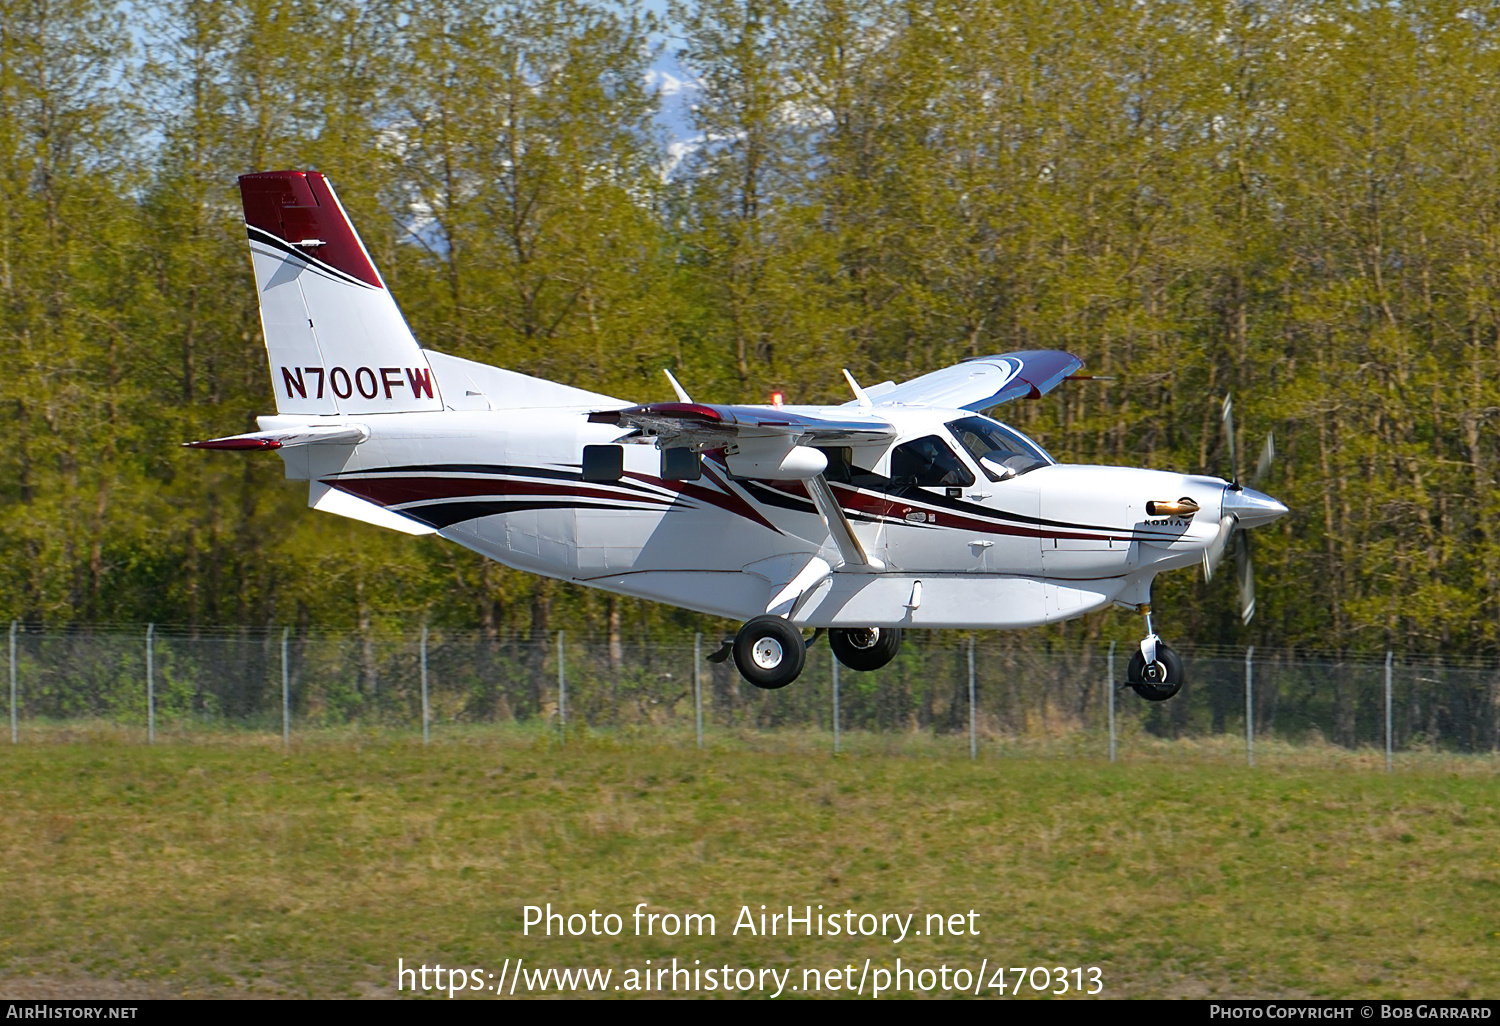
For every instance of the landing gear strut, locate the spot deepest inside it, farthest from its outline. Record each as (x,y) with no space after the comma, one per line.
(1155,671)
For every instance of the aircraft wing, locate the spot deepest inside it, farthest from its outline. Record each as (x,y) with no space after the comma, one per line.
(708,425)
(983,382)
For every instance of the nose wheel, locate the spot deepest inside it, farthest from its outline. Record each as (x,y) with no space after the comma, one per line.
(1157,680)
(1155,671)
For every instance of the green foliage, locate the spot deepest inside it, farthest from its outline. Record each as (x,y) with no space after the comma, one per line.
(242,868)
(1292,200)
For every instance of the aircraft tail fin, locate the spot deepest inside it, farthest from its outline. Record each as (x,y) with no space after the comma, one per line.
(335,339)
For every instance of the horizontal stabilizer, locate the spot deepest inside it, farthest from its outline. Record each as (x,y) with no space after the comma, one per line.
(349,434)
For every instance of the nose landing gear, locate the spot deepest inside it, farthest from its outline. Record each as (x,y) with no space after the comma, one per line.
(1155,671)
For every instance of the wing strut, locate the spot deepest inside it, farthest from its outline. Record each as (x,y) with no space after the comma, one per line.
(853,553)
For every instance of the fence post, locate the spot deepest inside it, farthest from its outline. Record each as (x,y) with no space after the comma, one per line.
(973,731)
(426,713)
(150,685)
(835,705)
(1388,740)
(698,684)
(1250,705)
(1111,690)
(286,690)
(562,689)
(15,731)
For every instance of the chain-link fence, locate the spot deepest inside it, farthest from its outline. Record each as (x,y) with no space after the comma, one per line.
(177,682)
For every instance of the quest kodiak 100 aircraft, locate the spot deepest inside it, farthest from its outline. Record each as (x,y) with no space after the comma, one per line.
(903,508)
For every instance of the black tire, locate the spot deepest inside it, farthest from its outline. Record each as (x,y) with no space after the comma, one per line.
(769,652)
(865,648)
(1158,682)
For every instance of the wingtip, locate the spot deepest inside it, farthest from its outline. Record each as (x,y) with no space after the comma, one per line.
(239,443)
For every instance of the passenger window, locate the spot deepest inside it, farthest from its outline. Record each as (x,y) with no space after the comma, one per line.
(842,470)
(840,462)
(928,463)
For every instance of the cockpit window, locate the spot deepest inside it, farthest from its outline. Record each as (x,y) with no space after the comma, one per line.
(928,463)
(989,439)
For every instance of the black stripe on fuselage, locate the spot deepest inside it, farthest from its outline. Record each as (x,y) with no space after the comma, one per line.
(502,470)
(973,509)
(446,514)
(768,496)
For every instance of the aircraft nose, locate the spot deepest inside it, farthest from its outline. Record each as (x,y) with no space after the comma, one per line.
(1252,508)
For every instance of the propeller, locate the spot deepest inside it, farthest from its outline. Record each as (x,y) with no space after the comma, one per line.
(1244,566)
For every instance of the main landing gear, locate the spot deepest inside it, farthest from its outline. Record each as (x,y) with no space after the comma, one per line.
(865,648)
(770,651)
(1155,671)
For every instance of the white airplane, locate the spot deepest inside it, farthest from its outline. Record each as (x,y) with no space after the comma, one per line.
(904,508)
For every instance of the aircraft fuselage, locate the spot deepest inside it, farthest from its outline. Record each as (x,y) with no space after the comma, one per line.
(1055,542)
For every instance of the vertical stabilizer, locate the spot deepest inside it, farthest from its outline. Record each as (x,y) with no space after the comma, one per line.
(336,342)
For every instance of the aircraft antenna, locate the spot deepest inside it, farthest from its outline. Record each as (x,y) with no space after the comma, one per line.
(859,393)
(682,395)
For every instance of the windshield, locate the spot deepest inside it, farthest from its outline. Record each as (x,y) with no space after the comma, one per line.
(989,439)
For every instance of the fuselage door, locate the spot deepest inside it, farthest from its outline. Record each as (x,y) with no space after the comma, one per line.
(947,519)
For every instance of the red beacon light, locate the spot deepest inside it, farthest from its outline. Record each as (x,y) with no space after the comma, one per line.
(778,398)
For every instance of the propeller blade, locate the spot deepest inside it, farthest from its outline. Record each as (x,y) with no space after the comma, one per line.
(1215,551)
(1263,465)
(1246,578)
(1228,419)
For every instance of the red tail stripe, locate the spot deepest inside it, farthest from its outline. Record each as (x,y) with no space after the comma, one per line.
(299,207)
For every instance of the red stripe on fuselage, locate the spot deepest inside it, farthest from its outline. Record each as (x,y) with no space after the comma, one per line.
(726,500)
(397,491)
(895,509)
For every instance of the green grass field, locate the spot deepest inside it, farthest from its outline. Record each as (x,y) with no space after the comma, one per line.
(235,867)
